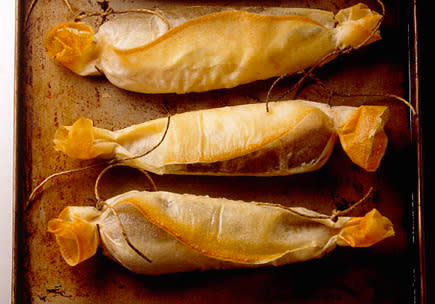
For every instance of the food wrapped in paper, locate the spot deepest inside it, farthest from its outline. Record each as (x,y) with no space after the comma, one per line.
(178,233)
(293,137)
(205,48)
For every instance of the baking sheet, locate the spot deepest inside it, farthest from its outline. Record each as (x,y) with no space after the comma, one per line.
(47,95)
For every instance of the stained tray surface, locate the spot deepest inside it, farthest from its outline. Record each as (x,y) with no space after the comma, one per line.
(50,95)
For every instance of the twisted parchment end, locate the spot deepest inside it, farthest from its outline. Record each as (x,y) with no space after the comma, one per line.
(355,25)
(83,141)
(72,44)
(76,141)
(366,231)
(75,233)
(363,137)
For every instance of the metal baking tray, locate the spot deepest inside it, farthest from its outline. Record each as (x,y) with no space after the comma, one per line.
(48,95)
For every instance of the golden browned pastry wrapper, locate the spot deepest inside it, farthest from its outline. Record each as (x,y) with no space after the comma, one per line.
(198,49)
(293,137)
(180,233)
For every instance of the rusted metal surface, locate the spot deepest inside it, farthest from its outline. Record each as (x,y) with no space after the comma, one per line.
(49,95)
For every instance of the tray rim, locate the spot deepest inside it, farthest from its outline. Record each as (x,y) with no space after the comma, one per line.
(16,210)
(419,275)
(417,128)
